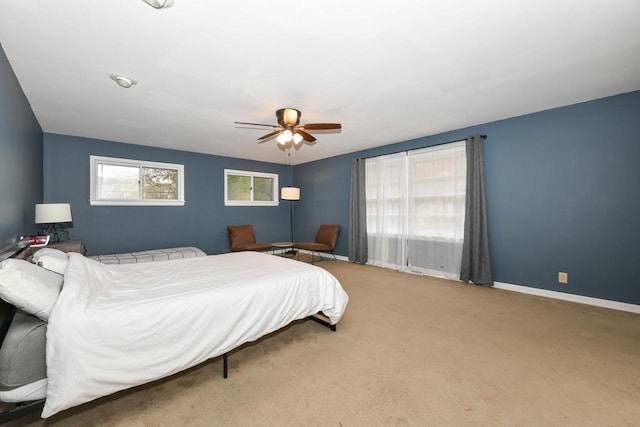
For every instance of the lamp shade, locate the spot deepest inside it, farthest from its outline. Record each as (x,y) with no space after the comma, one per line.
(49,213)
(290,193)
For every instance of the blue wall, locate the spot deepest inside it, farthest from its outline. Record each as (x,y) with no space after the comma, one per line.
(324,198)
(20,159)
(201,222)
(562,196)
(562,190)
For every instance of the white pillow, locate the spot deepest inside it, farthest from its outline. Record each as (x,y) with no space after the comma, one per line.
(29,287)
(51,259)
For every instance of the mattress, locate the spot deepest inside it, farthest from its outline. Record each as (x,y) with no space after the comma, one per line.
(23,366)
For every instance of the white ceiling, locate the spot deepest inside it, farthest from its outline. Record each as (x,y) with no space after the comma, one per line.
(388,71)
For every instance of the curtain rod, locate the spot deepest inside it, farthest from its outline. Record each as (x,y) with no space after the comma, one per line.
(418,148)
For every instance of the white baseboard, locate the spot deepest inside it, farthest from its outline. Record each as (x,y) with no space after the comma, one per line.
(598,302)
(615,305)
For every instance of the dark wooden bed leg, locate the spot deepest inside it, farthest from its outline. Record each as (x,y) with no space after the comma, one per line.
(320,320)
(20,410)
(224,365)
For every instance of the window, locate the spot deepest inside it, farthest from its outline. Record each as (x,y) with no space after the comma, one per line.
(420,193)
(242,188)
(127,182)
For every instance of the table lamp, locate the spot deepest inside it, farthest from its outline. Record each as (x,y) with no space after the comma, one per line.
(53,219)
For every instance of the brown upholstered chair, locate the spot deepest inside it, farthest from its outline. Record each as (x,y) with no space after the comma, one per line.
(241,238)
(326,241)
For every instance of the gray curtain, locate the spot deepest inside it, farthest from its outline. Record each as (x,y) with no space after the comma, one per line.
(476,259)
(358,214)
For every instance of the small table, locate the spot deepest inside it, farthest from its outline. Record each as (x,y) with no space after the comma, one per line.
(64,246)
(282,246)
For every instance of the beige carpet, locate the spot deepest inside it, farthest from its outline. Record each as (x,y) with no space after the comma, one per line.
(410,350)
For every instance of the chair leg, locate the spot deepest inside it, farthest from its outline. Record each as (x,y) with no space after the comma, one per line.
(320,258)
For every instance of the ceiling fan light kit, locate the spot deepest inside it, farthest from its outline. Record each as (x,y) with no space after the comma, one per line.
(284,137)
(289,132)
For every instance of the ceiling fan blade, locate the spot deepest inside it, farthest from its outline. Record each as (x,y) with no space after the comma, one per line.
(267,136)
(307,137)
(321,126)
(256,124)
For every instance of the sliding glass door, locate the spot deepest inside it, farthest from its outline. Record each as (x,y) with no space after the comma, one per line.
(415,209)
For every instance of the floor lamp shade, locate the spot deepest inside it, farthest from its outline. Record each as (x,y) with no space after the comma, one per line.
(290,193)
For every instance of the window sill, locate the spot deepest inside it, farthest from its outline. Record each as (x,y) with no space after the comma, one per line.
(247,203)
(137,203)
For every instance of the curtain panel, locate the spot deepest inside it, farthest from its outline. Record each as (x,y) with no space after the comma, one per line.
(358,214)
(386,192)
(476,257)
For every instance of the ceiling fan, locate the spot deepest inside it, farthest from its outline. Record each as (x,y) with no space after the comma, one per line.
(289,132)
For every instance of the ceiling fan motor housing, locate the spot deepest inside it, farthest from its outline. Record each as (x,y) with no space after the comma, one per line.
(288,117)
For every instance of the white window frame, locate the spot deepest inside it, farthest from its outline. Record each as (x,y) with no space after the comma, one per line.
(94,161)
(274,202)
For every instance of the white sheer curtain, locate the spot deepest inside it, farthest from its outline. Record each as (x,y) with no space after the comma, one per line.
(386,190)
(415,209)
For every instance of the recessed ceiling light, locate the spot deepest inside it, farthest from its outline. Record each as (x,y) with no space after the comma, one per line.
(159,4)
(123,81)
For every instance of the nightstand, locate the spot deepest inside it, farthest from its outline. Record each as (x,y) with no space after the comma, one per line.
(65,246)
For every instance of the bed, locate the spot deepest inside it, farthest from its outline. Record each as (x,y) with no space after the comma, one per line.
(113,327)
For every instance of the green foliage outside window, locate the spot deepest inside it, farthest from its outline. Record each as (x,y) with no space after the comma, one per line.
(239,187)
(245,188)
(160,183)
(262,189)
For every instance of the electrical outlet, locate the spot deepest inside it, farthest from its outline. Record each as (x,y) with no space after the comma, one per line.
(563,277)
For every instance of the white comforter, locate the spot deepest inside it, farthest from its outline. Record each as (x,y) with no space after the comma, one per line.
(118,326)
